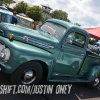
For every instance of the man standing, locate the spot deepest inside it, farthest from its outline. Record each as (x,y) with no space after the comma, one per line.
(14,18)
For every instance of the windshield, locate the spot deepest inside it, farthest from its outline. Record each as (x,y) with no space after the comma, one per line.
(24,21)
(53,29)
(3,17)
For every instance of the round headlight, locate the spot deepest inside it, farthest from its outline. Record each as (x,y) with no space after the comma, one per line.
(5,54)
(2,55)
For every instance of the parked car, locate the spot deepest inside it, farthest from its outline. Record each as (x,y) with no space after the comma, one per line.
(6,16)
(95,47)
(28,55)
(4,8)
(97,43)
(26,22)
(22,14)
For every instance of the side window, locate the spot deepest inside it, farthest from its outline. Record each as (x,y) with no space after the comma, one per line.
(9,18)
(23,21)
(77,39)
(3,18)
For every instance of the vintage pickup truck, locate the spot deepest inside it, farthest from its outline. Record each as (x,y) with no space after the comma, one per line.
(57,50)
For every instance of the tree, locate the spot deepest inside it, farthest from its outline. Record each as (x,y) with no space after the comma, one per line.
(92,41)
(45,17)
(21,7)
(77,24)
(35,13)
(1,2)
(6,2)
(59,14)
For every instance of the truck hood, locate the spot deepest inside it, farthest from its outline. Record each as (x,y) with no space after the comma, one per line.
(33,37)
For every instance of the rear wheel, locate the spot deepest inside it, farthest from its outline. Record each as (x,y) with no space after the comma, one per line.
(94,83)
(27,74)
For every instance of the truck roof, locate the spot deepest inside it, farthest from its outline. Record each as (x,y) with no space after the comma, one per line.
(6,12)
(30,19)
(64,23)
(68,25)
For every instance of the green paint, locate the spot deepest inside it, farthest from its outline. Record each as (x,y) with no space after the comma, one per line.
(65,62)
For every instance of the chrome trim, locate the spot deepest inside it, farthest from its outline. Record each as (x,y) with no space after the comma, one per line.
(20,37)
(29,76)
(37,42)
(96,81)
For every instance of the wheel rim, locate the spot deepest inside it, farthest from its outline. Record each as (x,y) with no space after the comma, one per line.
(28,76)
(96,81)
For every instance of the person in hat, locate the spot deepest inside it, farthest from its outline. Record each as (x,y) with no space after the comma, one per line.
(14,18)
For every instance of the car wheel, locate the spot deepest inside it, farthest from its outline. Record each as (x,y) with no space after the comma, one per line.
(94,83)
(27,74)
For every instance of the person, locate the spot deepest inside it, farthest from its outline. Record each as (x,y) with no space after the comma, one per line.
(14,18)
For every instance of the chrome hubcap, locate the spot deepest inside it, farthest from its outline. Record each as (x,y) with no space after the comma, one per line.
(96,81)
(28,76)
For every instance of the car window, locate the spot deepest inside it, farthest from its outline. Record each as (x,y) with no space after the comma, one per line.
(9,18)
(23,21)
(76,39)
(3,17)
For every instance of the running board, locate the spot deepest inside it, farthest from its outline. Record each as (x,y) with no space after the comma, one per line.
(68,79)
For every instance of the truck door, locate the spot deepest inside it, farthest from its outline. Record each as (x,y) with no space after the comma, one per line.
(72,54)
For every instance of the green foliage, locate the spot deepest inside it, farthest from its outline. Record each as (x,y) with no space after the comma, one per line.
(1,2)
(92,41)
(77,24)
(6,2)
(59,14)
(46,17)
(35,13)
(21,7)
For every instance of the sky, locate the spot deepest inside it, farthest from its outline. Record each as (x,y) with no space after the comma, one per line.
(84,12)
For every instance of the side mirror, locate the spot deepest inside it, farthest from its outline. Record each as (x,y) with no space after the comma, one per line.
(69,41)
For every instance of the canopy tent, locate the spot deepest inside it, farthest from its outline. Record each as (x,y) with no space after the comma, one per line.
(94,32)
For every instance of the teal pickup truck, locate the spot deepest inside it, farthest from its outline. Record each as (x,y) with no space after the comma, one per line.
(57,50)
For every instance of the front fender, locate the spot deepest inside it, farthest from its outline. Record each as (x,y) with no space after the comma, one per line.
(93,72)
(22,53)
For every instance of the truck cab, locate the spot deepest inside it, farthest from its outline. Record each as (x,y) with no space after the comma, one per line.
(5,16)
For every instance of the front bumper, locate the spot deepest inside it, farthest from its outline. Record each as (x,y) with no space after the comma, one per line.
(10,66)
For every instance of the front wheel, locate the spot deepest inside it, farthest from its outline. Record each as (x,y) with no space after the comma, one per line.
(94,83)
(27,74)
